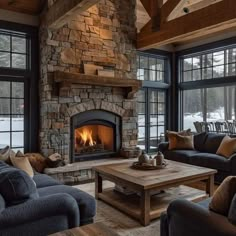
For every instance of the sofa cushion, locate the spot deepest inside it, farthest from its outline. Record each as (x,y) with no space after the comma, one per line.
(15,185)
(213,142)
(179,155)
(86,202)
(199,141)
(232,211)
(211,161)
(43,180)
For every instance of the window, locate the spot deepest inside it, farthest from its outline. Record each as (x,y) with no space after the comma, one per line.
(13,50)
(14,65)
(208,86)
(209,104)
(150,68)
(212,65)
(152,102)
(12,114)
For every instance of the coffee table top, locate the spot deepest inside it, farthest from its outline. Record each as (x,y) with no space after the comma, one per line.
(175,172)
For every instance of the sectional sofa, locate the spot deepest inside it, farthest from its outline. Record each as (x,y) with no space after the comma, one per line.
(204,154)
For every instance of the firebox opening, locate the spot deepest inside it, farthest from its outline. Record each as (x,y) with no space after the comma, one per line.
(93,139)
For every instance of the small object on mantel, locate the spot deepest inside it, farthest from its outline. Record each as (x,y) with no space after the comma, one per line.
(91,69)
(106,73)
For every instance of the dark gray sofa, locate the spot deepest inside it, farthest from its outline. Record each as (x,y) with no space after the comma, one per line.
(55,207)
(206,145)
(184,218)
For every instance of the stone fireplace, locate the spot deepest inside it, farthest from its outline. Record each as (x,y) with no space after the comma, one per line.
(74,109)
(95,134)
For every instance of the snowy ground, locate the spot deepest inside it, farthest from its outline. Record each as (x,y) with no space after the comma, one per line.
(17,137)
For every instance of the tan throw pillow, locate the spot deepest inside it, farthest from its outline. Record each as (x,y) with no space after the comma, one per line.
(223,196)
(227,147)
(37,161)
(186,132)
(177,141)
(20,161)
(5,153)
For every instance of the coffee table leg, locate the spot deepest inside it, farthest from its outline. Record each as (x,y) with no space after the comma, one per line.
(145,207)
(98,185)
(210,185)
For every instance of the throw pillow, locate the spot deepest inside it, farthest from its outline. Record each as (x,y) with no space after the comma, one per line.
(232,211)
(177,141)
(223,196)
(20,161)
(15,185)
(186,132)
(37,161)
(227,147)
(5,153)
(55,160)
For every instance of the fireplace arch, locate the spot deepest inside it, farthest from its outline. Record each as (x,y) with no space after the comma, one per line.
(94,134)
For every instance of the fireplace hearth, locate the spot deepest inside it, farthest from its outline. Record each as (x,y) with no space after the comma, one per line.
(95,134)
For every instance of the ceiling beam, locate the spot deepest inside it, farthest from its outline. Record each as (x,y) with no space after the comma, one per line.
(214,18)
(171,8)
(63,11)
(196,6)
(153,8)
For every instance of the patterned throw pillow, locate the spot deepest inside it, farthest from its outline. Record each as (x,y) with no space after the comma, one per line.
(227,147)
(180,140)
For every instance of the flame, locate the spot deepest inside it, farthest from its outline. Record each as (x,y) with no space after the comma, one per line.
(86,136)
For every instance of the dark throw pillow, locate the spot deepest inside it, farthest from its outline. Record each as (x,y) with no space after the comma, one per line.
(232,211)
(16,186)
(199,141)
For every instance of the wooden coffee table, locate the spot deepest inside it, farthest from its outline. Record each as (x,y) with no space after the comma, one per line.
(96,229)
(144,206)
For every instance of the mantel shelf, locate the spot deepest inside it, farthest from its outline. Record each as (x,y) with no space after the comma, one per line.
(66,80)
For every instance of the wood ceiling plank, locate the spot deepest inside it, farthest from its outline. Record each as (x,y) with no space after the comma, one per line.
(214,18)
(196,5)
(63,11)
(31,7)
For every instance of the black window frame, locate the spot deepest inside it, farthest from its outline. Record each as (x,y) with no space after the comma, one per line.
(180,86)
(29,76)
(165,86)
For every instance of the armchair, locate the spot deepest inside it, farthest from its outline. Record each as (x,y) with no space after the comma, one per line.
(184,218)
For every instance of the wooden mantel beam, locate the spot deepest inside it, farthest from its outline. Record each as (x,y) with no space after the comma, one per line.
(63,11)
(212,19)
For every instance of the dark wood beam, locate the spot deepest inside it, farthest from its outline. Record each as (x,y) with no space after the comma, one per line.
(214,18)
(171,7)
(153,8)
(63,11)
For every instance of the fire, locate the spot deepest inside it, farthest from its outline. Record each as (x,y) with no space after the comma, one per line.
(86,137)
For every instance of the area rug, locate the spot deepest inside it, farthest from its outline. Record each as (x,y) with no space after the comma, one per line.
(117,221)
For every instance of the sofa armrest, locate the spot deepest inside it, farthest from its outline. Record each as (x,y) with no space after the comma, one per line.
(43,207)
(163,146)
(233,163)
(186,218)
